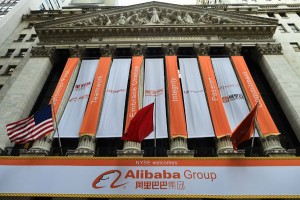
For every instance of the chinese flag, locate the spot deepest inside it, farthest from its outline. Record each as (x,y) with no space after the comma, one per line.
(244,130)
(141,125)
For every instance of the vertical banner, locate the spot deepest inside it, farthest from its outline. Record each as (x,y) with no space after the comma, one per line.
(176,111)
(217,111)
(134,93)
(70,122)
(62,84)
(196,109)
(112,116)
(154,87)
(93,111)
(264,119)
(233,98)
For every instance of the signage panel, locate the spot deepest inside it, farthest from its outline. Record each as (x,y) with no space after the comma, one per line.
(152,177)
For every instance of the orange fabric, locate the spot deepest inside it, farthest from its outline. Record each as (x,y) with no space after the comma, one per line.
(244,131)
(216,107)
(264,119)
(177,121)
(133,101)
(92,114)
(63,83)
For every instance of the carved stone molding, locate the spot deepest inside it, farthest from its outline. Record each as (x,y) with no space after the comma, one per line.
(170,49)
(202,49)
(225,149)
(272,147)
(233,49)
(108,51)
(77,51)
(138,50)
(269,49)
(43,52)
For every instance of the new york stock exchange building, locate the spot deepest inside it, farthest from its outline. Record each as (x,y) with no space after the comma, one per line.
(205,68)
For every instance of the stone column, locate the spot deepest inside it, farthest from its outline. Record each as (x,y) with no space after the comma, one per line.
(178,146)
(43,146)
(223,145)
(285,84)
(25,85)
(133,149)
(87,143)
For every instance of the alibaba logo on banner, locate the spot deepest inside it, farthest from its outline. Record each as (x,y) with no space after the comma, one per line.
(105,178)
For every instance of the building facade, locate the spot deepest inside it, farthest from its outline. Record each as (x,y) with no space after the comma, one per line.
(262,35)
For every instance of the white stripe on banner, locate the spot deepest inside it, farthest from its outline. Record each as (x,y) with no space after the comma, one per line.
(198,119)
(155,86)
(233,98)
(112,115)
(70,122)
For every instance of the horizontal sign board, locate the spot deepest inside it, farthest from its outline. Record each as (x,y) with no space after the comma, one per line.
(150,177)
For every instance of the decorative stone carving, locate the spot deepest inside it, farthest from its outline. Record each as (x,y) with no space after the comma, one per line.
(43,52)
(108,51)
(233,49)
(138,50)
(154,15)
(41,147)
(272,147)
(170,49)
(77,51)
(131,149)
(86,146)
(74,40)
(178,148)
(245,37)
(225,149)
(202,49)
(269,49)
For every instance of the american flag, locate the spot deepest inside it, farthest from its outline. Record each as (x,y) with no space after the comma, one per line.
(31,128)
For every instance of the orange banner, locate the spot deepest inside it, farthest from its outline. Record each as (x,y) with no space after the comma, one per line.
(266,124)
(133,101)
(63,83)
(177,121)
(216,107)
(93,111)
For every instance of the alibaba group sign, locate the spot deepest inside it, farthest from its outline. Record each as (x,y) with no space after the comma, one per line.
(105,178)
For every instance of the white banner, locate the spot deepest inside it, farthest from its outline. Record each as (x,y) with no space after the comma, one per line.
(198,119)
(70,122)
(125,178)
(154,85)
(112,115)
(233,98)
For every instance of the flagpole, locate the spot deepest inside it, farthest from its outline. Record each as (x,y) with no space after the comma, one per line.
(56,127)
(253,136)
(154,126)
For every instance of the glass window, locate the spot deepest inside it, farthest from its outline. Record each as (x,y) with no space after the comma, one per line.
(295,46)
(32,38)
(10,70)
(294,28)
(282,14)
(30,25)
(21,37)
(42,7)
(281,28)
(271,15)
(22,52)
(9,52)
